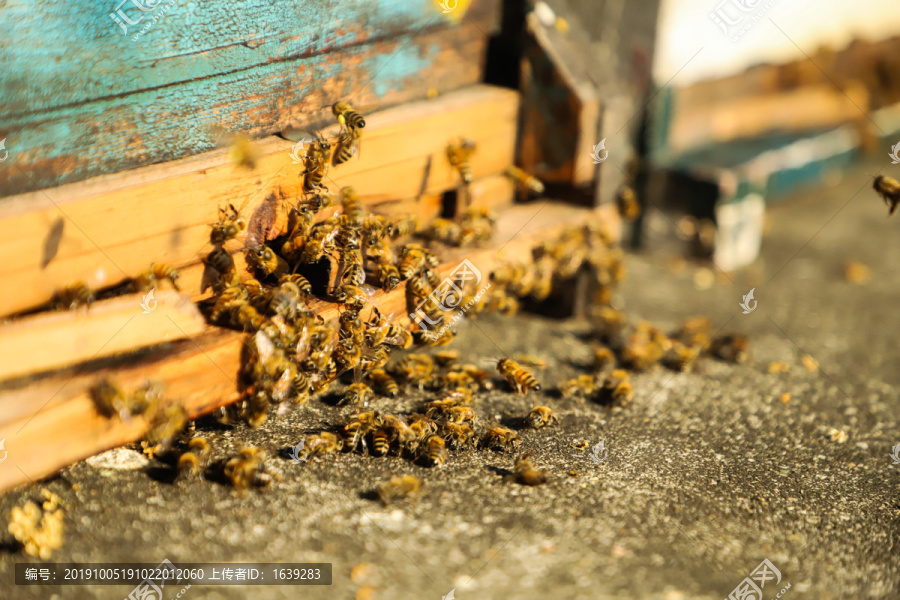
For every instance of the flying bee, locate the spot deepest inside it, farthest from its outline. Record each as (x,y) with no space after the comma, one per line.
(358,394)
(889,190)
(72,296)
(413,260)
(153,276)
(500,437)
(384,383)
(444,230)
(348,117)
(229,226)
(525,473)
(399,488)
(445,358)
(354,212)
(541,416)
(196,456)
(459,156)
(348,145)
(627,203)
(316,164)
(435,449)
(295,279)
(222,262)
(519,378)
(524,181)
(165,424)
(111,400)
(264,261)
(286,298)
(403,227)
(248,469)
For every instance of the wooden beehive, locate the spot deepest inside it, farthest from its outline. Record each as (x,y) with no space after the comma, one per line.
(139,179)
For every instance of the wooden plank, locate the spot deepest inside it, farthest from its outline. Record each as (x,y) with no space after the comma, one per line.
(110,228)
(118,104)
(105,328)
(808,108)
(52,422)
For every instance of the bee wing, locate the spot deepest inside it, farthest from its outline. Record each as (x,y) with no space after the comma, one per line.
(282,386)
(263,346)
(302,348)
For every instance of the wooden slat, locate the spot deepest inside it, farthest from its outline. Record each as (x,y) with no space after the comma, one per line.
(107,229)
(52,422)
(50,340)
(81,99)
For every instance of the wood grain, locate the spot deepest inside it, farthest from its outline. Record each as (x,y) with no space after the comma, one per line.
(82,99)
(114,226)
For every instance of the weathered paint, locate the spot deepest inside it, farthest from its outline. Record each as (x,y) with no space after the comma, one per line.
(80,98)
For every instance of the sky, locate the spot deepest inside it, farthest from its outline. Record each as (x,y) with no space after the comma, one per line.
(691,46)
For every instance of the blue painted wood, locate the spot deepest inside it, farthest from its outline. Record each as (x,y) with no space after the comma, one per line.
(81,96)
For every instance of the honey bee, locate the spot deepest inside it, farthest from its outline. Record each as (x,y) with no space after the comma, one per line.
(384,383)
(500,437)
(347,354)
(679,357)
(348,145)
(348,117)
(422,427)
(352,295)
(444,230)
(541,416)
(319,200)
(387,274)
(359,426)
(459,156)
(322,443)
(399,488)
(413,260)
(320,242)
(354,212)
(731,347)
(317,158)
(359,394)
(503,302)
(229,226)
(403,227)
(299,222)
(415,369)
(264,261)
(446,358)
(154,275)
(525,473)
(165,424)
(375,358)
(889,190)
(581,386)
(197,453)
(603,357)
(353,271)
(519,378)
(645,347)
(111,400)
(458,435)
(461,414)
(223,264)
(627,203)
(524,181)
(435,449)
(72,296)
(248,469)
(394,335)
(616,388)
(286,298)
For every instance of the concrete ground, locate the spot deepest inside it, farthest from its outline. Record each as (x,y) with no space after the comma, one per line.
(707,473)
